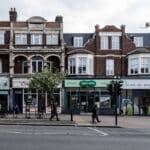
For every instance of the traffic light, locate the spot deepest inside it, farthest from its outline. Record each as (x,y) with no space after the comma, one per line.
(110,89)
(119,87)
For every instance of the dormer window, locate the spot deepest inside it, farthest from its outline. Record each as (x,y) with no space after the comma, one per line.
(110,40)
(78,41)
(115,41)
(138,41)
(1,37)
(104,42)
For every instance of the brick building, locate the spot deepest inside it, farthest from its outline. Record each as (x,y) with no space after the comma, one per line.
(95,59)
(27,47)
(92,61)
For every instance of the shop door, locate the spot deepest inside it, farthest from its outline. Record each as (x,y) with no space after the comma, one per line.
(18,100)
(84,103)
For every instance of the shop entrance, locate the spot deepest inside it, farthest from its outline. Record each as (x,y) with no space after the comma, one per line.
(17,100)
(87,102)
(3,103)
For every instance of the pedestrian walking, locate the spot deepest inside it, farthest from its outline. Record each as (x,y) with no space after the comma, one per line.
(16,111)
(95,114)
(54,111)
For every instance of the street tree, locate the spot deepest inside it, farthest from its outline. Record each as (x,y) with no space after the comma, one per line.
(46,81)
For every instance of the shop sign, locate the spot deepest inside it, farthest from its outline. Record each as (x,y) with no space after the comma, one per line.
(20,83)
(3,92)
(4,83)
(86,83)
(136,84)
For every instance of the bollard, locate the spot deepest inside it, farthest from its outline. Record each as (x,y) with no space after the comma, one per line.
(71,115)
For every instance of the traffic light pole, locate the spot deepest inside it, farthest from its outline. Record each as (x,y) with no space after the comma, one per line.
(114,89)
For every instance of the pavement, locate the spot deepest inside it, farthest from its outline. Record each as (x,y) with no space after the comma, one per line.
(83,120)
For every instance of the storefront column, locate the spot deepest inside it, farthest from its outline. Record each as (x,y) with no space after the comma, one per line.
(11,99)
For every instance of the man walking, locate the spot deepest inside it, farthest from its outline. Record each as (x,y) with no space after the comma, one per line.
(54,111)
(95,114)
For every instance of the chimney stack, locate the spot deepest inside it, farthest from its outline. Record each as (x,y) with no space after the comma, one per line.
(59,19)
(13,15)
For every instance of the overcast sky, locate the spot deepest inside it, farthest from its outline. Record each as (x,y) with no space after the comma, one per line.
(83,15)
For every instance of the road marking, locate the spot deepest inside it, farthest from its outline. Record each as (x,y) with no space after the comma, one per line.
(99,131)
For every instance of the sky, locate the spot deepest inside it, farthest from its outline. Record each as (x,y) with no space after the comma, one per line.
(81,16)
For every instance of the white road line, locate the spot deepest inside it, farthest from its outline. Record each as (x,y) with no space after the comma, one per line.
(99,131)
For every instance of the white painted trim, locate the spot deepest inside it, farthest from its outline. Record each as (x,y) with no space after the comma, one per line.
(109,55)
(110,33)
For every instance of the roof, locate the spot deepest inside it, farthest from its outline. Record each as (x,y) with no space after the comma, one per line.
(146,38)
(139,51)
(68,37)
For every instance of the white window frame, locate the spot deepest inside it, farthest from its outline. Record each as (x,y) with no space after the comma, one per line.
(78,41)
(104,42)
(20,39)
(82,65)
(52,39)
(145,65)
(134,66)
(109,67)
(72,65)
(115,42)
(138,41)
(36,39)
(87,69)
(2,38)
(36,65)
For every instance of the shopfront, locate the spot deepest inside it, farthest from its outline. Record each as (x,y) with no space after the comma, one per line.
(81,95)
(38,101)
(4,93)
(138,90)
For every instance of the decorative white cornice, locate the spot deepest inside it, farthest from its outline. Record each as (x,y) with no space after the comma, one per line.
(110,33)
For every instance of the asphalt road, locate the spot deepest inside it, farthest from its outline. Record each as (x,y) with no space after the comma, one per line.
(72,138)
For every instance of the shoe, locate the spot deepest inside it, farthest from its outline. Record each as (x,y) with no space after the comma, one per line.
(58,120)
(98,121)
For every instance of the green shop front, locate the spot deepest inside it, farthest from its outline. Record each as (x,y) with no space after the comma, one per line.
(81,95)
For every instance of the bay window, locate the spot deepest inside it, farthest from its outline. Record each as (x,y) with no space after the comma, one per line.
(80,64)
(139,65)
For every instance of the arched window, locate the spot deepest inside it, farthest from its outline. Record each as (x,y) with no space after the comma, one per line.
(37,64)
